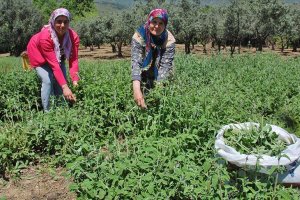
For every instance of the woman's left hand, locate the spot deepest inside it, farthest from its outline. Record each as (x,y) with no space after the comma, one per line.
(75,83)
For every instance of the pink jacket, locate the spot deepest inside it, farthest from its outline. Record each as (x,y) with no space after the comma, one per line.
(40,50)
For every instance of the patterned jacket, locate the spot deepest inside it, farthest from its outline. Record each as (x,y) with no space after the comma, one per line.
(164,61)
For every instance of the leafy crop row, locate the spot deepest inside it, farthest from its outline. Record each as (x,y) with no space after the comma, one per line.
(114,150)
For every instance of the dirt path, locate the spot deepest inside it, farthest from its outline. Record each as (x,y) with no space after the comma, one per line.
(37,183)
(105,52)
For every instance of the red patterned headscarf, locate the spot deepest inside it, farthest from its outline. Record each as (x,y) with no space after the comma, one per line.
(151,41)
(158,13)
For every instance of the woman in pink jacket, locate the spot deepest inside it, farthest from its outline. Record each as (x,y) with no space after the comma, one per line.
(47,52)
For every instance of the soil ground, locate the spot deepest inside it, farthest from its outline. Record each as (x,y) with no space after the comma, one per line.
(105,52)
(38,182)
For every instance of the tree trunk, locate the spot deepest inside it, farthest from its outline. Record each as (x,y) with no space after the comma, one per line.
(113,47)
(259,44)
(204,48)
(294,44)
(282,44)
(232,49)
(223,45)
(187,47)
(213,44)
(273,45)
(282,48)
(119,45)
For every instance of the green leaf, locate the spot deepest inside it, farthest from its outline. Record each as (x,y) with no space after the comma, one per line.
(215,180)
(206,166)
(73,187)
(283,194)
(150,188)
(101,193)
(87,185)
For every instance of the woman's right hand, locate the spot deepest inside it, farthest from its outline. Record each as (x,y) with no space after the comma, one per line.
(137,94)
(68,94)
(139,99)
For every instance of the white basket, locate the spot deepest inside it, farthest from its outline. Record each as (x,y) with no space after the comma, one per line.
(290,160)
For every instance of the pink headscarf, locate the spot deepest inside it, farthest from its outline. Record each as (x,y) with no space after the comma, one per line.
(67,43)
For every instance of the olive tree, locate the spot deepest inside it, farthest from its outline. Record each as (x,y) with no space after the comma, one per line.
(284,29)
(184,22)
(265,14)
(122,29)
(203,29)
(294,33)
(236,23)
(216,19)
(76,7)
(19,20)
(83,31)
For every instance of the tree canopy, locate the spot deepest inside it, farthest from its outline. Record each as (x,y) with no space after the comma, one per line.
(233,24)
(76,7)
(19,20)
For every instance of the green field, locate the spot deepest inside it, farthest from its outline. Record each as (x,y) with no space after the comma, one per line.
(114,150)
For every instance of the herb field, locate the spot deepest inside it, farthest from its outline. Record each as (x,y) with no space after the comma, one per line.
(114,150)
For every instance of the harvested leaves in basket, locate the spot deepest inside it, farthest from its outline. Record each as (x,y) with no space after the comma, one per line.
(255,140)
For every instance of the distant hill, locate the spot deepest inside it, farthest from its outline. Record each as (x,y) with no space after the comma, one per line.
(212,2)
(115,3)
(107,6)
(292,1)
(123,4)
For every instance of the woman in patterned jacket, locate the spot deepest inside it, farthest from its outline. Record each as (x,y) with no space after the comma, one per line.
(152,54)
(47,51)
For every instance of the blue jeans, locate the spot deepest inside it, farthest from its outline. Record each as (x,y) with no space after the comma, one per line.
(49,84)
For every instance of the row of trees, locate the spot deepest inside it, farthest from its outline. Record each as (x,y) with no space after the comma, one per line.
(20,19)
(235,24)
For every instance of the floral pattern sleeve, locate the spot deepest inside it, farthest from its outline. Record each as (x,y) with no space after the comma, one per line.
(136,59)
(166,63)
